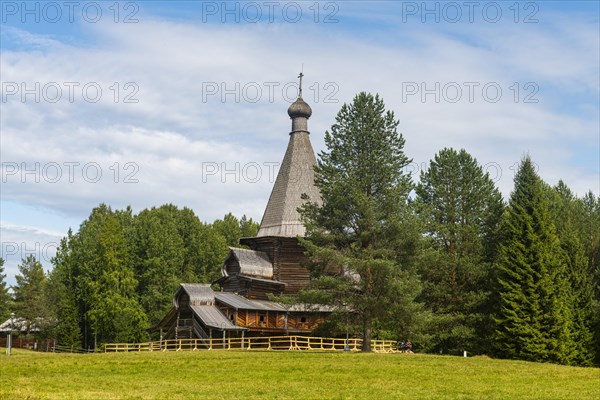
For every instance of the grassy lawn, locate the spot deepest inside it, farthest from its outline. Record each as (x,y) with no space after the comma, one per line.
(285,375)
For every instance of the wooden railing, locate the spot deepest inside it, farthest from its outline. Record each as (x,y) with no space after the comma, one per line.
(69,349)
(255,343)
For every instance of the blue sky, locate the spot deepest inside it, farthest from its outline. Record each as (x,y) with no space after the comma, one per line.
(184,102)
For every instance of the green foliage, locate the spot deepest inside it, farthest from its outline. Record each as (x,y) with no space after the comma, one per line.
(115,277)
(361,239)
(590,239)
(211,249)
(172,246)
(578,292)
(461,209)
(533,319)
(30,294)
(248,227)
(5,298)
(159,258)
(113,311)
(433,270)
(233,229)
(62,297)
(205,249)
(229,228)
(590,234)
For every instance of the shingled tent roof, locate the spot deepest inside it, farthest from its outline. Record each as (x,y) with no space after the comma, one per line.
(251,263)
(200,294)
(296,176)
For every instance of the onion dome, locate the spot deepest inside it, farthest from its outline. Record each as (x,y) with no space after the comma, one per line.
(299,108)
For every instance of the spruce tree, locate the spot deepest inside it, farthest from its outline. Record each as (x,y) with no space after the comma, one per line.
(590,238)
(533,320)
(578,291)
(5,298)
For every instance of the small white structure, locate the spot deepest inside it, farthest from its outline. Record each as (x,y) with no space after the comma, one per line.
(17,324)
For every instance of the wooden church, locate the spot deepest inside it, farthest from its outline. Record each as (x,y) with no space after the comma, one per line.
(273,263)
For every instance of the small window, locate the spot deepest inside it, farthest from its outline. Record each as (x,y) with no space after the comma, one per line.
(261,318)
(231,317)
(303,320)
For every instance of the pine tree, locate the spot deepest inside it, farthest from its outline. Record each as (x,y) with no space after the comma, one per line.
(5,298)
(30,294)
(361,239)
(462,209)
(533,321)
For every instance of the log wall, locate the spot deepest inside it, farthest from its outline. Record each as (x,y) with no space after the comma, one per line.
(288,260)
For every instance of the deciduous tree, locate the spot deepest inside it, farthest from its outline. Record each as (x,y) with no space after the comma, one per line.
(158,258)
(62,297)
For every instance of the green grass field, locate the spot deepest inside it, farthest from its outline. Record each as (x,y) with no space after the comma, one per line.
(286,375)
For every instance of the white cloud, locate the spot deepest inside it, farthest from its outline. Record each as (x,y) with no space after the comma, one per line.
(18,242)
(166,138)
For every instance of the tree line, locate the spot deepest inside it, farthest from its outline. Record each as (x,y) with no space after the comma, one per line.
(444,262)
(115,277)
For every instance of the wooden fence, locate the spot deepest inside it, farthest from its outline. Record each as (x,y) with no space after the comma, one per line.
(47,345)
(19,343)
(68,349)
(255,343)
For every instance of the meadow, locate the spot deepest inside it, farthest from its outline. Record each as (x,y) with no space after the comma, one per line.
(285,375)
